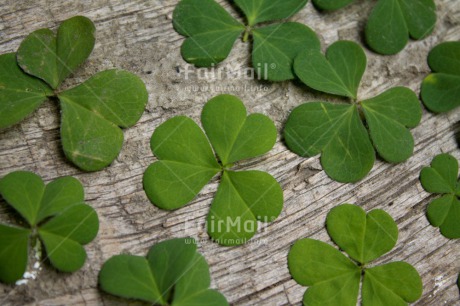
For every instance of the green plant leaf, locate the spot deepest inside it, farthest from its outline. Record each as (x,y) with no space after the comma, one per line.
(53,58)
(193,287)
(130,277)
(92,112)
(445,58)
(37,55)
(211,31)
(444,213)
(334,279)
(187,162)
(58,194)
(388,116)
(330,5)
(233,134)
(420,17)
(23,191)
(257,11)
(88,140)
(104,94)
(27,194)
(20,94)
(169,260)
(173,274)
(276,46)
(78,222)
(337,132)
(242,199)
(392,21)
(441,90)
(355,232)
(55,213)
(441,178)
(75,42)
(14,244)
(396,283)
(339,72)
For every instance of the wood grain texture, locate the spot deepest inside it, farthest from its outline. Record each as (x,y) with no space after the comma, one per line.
(138,36)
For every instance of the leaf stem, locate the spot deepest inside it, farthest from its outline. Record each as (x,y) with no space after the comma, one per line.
(246,34)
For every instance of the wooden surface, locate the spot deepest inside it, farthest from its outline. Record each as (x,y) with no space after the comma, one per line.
(138,36)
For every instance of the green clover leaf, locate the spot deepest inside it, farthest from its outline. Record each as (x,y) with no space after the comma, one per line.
(211,33)
(92,113)
(346,135)
(441,178)
(187,163)
(53,58)
(13,257)
(173,273)
(56,215)
(339,72)
(334,279)
(441,89)
(20,94)
(391,22)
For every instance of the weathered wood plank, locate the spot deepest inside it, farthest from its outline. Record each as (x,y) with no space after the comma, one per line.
(137,35)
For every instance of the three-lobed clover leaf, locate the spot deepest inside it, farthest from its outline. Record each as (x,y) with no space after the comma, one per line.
(211,32)
(187,163)
(55,214)
(173,273)
(442,178)
(334,278)
(92,113)
(391,22)
(347,134)
(441,90)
